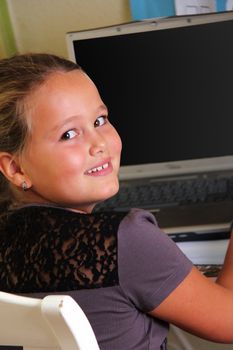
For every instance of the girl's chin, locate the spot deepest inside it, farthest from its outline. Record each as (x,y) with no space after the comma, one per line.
(112,192)
(105,198)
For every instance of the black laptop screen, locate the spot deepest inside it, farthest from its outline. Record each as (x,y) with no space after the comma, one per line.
(169,92)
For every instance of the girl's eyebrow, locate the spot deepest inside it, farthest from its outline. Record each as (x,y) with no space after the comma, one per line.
(100,109)
(63,124)
(103,107)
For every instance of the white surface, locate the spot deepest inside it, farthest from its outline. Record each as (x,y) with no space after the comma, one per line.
(54,322)
(229,5)
(205,252)
(193,7)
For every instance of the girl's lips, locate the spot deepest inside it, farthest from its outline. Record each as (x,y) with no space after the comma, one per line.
(100,170)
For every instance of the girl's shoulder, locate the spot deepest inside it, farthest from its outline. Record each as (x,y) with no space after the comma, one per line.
(45,217)
(37,221)
(73,250)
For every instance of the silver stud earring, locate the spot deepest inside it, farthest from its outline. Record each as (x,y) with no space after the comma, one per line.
(24,186)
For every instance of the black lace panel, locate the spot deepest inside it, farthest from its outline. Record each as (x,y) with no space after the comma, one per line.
(46,249)
(164,345)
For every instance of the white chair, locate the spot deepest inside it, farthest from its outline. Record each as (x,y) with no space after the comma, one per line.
(54,322)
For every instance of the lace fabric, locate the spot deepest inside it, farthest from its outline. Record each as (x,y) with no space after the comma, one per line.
(47,249)
(164,345)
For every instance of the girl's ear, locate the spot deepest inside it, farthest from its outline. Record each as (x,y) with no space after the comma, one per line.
(10,168)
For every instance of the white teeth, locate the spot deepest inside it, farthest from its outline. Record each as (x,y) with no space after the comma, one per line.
(99,168)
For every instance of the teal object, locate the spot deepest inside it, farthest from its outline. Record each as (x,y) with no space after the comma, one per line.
(142,9)
(221,5)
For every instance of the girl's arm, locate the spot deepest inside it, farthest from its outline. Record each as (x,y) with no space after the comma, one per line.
(225,277)
(202,307)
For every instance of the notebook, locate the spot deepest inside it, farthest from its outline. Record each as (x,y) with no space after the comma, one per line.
(168,84)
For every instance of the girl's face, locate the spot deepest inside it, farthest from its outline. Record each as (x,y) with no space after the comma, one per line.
(73,154)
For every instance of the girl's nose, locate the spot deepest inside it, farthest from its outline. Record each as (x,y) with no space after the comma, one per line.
(97,144)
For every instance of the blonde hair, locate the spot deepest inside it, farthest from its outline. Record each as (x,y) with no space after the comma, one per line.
(19,76)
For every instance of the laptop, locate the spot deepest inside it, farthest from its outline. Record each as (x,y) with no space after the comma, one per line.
(168,84)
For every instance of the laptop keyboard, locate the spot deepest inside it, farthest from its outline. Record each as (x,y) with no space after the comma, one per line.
(169,193)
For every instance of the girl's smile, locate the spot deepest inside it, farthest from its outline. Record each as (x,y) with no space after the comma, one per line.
(101,169)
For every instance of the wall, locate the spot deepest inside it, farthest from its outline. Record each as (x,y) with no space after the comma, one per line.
(7,41)
(41,25)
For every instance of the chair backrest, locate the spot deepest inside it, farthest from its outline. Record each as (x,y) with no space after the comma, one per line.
(54,322)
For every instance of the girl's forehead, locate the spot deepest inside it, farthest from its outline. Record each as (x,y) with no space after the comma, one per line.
(63,94)
(60,82)
(55,84)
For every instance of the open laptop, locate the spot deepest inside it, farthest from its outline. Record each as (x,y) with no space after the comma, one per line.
(168,84)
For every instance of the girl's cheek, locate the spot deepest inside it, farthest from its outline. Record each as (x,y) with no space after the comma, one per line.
(118,143)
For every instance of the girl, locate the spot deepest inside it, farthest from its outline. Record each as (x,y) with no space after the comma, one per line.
(59,157)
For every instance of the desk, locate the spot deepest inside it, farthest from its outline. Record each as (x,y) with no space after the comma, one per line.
(207,252)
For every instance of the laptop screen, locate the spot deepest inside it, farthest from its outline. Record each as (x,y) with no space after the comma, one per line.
(168,85)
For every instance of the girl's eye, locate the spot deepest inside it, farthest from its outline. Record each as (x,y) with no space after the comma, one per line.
(68,135)
(100,121)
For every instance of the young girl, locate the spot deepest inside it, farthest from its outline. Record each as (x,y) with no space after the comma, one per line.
(59,157)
